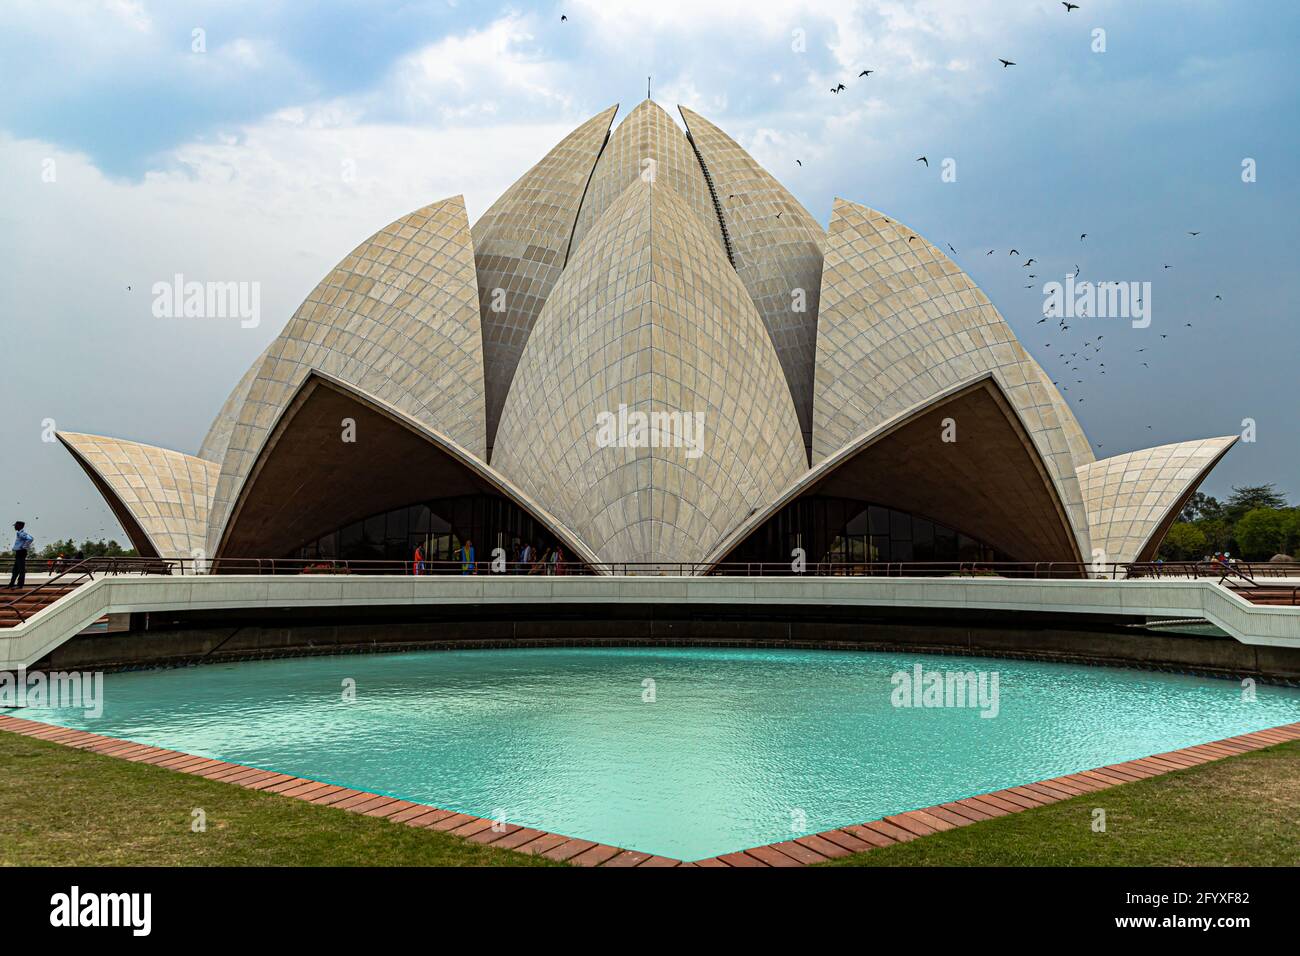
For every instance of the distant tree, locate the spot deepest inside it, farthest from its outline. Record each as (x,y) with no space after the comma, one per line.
(1261,533)
(1200,506)
(1250,497)
(69,548)
(1218,534)
(105,549)
(1291,525)
(1184,542)
(56,548)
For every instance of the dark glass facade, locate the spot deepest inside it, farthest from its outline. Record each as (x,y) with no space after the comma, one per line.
(848,531)
(440,527)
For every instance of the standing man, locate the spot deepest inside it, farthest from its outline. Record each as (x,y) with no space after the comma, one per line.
(22,543)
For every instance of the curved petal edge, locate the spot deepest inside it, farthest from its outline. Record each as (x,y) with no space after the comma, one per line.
(1133,499)
(161,497)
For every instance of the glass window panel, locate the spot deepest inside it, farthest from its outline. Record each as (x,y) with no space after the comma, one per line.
(968,549)
(858,523)
(397,526)
(879,520)
(349,538)
(900,527)
(418,519)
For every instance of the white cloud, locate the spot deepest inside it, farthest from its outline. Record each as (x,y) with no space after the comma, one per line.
(498,69)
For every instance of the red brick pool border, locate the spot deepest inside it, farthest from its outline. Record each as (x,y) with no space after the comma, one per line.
(800,851)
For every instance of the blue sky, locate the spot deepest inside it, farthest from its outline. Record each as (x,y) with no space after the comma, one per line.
(226,164)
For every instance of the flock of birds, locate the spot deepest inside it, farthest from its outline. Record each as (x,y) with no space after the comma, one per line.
(1083,362)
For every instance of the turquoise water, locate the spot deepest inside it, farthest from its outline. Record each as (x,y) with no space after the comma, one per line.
(738,747)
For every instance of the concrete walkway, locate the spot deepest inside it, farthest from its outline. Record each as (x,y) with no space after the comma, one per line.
(23,645)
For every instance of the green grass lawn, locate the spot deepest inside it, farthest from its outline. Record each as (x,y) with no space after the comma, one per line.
(60,806)
(1242,811)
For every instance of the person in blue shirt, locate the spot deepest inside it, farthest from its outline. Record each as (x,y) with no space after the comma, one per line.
(22,544)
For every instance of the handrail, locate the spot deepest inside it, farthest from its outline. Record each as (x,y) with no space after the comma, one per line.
(82,573)
(1233,575)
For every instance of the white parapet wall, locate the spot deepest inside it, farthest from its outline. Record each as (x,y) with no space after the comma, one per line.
(23,645)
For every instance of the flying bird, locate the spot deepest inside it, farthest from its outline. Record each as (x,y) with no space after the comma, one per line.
(1014,252)
(1068,8)
(866,72)
(1029,263)
(836,89)
(1193,233)
(798,162)
(563,18)
(989,253)
(1006,63)
(1083,236)
(951,249)
(922,159)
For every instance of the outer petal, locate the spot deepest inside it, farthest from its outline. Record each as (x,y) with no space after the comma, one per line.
(777,249)
(900,323)
(394,461)
(398,318)
(161,497)
(650,315)
(991,483)
(1133,499)
(648,144)
(520,245)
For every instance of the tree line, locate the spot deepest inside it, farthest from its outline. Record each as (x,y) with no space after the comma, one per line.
(70,549)
(1254,524)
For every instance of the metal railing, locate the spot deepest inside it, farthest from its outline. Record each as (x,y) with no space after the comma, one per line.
(1238,574)
(74,572)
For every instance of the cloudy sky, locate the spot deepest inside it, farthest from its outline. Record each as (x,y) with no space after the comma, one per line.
(267,144)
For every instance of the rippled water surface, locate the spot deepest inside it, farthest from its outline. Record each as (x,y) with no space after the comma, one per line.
(737,748)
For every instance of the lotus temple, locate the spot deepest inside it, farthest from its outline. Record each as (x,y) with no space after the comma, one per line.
(792,470)
(857,395)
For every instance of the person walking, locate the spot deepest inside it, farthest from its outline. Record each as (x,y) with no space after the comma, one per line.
(467,557)
(418,563)
(22,544)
